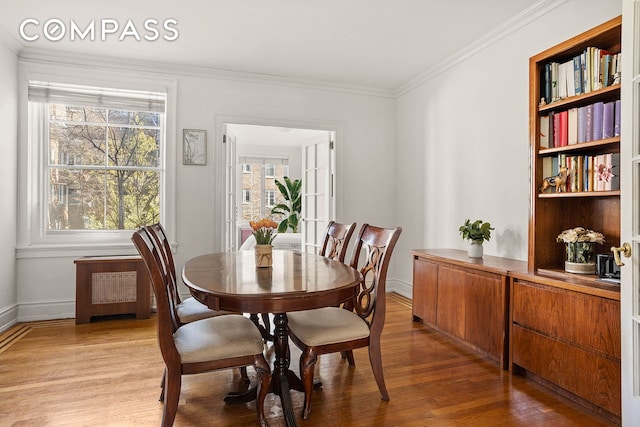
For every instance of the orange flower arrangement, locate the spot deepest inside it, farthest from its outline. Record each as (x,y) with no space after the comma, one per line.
(264,230)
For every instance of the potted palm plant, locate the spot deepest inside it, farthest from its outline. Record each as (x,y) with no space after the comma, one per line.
(476,233)
(290,210)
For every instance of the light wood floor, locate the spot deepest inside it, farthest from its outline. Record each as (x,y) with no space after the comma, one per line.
(107,373)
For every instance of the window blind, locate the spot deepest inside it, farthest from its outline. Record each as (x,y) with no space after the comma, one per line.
(121,99)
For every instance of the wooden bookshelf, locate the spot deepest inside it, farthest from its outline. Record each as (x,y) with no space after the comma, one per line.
(564,329)
(553,212)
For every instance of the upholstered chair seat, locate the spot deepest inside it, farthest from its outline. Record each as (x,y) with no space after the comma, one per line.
(216,338)
(327,325)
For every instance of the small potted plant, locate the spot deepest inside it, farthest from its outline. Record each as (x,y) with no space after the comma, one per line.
(264,231)
(476,233)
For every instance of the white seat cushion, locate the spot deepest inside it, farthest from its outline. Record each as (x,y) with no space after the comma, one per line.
(190,310)
(218,338)
(327,325)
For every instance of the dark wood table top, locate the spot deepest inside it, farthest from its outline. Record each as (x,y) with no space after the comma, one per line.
(296,281)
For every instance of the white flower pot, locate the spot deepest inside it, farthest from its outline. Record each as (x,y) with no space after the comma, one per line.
(475,249)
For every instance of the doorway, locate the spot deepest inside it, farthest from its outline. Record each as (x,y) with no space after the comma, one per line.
(259,155)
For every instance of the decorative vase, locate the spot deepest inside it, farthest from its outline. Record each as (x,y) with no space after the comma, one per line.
(475,249)
(580,258)
(264,255)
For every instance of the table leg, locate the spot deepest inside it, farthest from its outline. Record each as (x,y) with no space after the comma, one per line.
(282,375)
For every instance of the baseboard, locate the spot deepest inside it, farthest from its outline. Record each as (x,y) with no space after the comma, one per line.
(46,310)
(8,317)
(400,287)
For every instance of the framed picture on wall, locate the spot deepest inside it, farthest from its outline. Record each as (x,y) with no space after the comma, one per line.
(194,147)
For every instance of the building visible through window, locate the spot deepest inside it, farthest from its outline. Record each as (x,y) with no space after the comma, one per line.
(259,191)
(103,168)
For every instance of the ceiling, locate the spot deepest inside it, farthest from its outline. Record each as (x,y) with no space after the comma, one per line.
(378,44)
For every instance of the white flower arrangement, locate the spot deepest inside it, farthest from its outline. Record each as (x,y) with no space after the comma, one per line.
(580,234)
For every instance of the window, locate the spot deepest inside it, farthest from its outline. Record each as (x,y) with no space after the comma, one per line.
(260,192)
(269,170)
(102,161)
(270,197)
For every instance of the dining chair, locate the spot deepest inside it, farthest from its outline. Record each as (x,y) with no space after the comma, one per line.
(358,323)
(334,245)
(214,343)
(189,309)
(336,240)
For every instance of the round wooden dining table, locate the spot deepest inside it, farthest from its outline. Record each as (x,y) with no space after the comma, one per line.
(296,281)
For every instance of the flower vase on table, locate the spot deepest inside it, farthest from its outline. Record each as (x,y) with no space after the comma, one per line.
(264,233)
(264,255)
(580,249)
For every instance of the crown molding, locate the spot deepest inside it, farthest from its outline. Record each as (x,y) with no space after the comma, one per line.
(37,55)
(510,26)
(10,42)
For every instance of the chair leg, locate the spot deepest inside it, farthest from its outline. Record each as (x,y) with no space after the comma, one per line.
(162,383)
(173,382)
(375,357)
(244,375)
(308,360)
(264,381)
(348,354)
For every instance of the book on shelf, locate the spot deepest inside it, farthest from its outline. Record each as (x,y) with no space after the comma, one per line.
(544,131)
(577,75)
(616,118)
(593,69)
(564,123)
(582,121)
(598,111)
(572,126)
(607,120)
(613,164)
(588,123)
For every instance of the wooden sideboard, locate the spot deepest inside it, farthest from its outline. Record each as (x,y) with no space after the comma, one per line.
(566,335)
(563,332)
(465,298)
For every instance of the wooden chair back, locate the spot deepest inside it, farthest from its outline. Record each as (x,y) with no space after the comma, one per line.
(336,240)
(376,245)
(163,246)
(168,321)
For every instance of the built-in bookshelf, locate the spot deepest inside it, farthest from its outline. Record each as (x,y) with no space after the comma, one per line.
(574,122)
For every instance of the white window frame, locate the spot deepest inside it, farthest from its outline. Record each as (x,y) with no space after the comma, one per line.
(269,170)
(269,194)
(246,196)
(33,239)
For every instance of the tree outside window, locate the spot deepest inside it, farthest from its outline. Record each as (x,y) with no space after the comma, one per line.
(103,168)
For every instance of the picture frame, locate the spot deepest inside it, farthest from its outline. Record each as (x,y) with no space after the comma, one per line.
(194,147)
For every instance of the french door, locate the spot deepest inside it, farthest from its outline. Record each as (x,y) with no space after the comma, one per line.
(630,212)
(317,190)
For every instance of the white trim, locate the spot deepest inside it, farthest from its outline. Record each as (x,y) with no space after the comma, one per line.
(29,55)
(8,317)
(30,242)
(221,120)
(398,286)
(508,27)
(46,310)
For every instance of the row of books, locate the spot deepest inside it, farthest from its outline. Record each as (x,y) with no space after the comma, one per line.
(586,173)
(593,69)
(593,122)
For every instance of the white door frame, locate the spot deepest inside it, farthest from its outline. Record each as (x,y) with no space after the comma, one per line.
(629,211)
(219,162)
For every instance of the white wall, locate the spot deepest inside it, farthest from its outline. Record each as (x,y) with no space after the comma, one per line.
(8,183)
(365,131)
(462,141)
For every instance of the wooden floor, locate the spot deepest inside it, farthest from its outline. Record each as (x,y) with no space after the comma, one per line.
(107,373)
